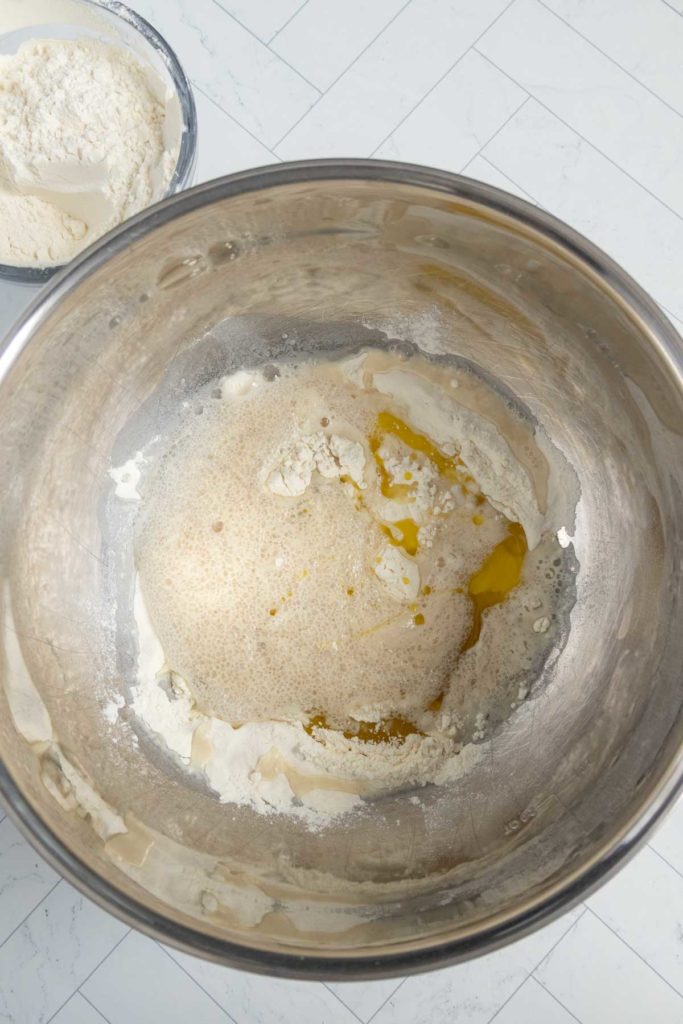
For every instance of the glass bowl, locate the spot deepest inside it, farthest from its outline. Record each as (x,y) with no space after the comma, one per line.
(112,22)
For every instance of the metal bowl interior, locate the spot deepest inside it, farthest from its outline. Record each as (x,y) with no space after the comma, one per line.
(326,253)
(111,22)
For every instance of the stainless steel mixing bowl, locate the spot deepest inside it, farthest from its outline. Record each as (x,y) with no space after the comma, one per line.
(313,255)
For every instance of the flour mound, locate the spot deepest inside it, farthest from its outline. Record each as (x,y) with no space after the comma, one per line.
(329,605)
(84,144)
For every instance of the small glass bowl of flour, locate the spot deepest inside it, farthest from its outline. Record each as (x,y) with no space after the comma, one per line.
(97,122)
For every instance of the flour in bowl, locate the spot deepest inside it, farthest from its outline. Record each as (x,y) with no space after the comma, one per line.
(332,603)
(88,137)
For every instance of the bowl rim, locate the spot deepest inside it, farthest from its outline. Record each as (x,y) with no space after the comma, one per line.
(437,950)
(187,153)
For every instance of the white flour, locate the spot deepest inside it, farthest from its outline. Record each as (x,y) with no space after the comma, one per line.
(85,141)
(127,478)
(398,573)
(334,457)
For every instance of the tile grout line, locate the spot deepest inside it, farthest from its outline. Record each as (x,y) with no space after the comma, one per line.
(671,316)
(441,79)
(31,911)
(381,1007)
(553,996)
(494,168)
(535,968)
(340,1000)
(193,980)
(506,175)
(234,120)
(286,23)
(258,39)
(342,73)
(512,995)
(592,145)
(635,951)
(88,1001)
(663,858)
(497,131)
(679,13)
(89,976)
(607,57)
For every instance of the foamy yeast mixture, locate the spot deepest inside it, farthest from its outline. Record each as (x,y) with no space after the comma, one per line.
(334,567)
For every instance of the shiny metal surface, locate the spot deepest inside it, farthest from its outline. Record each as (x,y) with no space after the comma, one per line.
(578,774)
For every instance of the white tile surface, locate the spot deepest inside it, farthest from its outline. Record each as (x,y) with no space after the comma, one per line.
(532,1004)
(571,179)
(644,38)
(172,997)
(224,146)
(365,997)
(457,118)
(236,70)
(599,979)
(594,96)
(481,168)
(251,999)
(476,990)
(600,146)
(363,108)
(262,17)
(53,952)
(652,924)
(78,1011)
(25,879)
(325,36)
